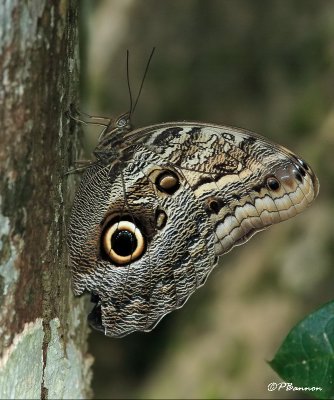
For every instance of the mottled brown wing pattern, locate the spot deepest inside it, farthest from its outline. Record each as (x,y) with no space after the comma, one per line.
(161,203)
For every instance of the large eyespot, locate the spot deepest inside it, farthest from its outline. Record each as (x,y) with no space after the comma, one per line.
(272,183)
(123,242)
(167,182)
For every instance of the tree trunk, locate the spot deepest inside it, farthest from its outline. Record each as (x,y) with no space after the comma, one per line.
(43,334)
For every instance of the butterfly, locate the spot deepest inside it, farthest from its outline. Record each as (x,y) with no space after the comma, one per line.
(160,205)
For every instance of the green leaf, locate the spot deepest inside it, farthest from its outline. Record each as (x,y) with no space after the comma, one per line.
(306,357)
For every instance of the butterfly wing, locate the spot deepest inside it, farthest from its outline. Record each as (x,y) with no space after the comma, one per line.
(245,182)
(146,229)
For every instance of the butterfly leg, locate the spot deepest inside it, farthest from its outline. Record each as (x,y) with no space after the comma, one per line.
(80,112)
(74,113)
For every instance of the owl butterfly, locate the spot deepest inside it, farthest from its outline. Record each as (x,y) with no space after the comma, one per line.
(160,204)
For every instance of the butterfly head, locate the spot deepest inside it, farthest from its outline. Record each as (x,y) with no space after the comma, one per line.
(118,125)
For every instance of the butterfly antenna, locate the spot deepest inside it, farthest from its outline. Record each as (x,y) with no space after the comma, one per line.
(128,80)
(143,80)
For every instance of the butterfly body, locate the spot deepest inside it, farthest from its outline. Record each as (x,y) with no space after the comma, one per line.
(161,203)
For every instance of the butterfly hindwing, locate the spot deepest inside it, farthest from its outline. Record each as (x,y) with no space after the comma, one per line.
(147,226)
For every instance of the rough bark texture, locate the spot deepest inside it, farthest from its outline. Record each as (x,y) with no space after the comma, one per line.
(42,336)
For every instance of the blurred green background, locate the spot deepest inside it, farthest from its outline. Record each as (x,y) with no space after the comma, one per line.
(265,65)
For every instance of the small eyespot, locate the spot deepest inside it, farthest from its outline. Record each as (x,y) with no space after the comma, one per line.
(161,219)
(123,242)
(272,183)
(214,206)
(167,182)
(298,176)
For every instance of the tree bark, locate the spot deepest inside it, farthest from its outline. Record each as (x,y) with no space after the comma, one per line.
(43,333)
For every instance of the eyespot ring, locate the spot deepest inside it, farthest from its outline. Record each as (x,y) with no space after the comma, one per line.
(167,182)
(273,183)
(123,242)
